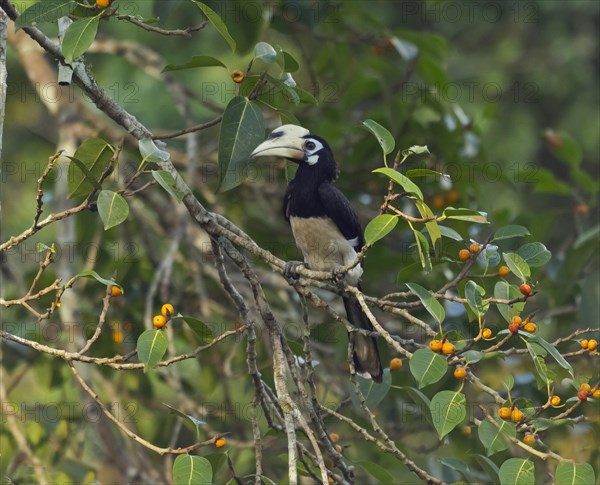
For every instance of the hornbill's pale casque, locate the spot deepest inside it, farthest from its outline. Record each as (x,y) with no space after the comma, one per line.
(324,224)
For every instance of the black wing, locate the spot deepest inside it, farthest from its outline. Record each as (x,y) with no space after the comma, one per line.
(286,201)
(339,210)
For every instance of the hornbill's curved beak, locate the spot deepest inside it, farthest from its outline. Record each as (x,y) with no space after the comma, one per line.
(286,141)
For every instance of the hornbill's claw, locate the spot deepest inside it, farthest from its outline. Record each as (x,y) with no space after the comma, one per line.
(337,275)
(290,271)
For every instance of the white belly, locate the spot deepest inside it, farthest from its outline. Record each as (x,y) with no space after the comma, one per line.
(324,247)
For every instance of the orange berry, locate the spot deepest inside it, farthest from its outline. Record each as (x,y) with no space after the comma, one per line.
(159,321)
(582,395)
(525,289)
(555,400)
(395,363)
(585,387)
(592,345)
(117,336)
(460,373)
(237,76)
(513,328)
(529,439)
(437,202)
(517,415)
(453,196)
(339,449)
(467,431)
(584,344)
(58,304)
(582,209)
(448,348)
(504,413)
(102,3)
(530,327)
(464,254)
(516,319)
(596,394)
(116,291)
(486,333)
(167,310)
(436,345)
(503,271)
(474,248)
(220,442)
(334,437)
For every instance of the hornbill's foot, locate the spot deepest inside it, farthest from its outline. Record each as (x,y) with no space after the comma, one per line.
(337,274)
(290,271)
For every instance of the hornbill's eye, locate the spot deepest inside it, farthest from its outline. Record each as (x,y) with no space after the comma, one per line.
(310,145)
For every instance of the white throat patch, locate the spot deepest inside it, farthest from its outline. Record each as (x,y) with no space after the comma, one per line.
(311,148)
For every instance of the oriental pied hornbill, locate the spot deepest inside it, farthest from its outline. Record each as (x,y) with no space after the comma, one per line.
(324,224)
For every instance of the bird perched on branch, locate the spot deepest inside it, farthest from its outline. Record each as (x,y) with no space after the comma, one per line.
(324,224)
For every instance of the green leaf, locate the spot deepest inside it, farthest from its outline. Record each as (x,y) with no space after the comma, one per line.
(95,154)
(450,233)
(448,410)
(45,11)
(473,356)
(287,62)
(504,291)
(427,367)
(489,467)
(464,215)
(474,295)
(535,254)
(421,400)
(493,437)
(192,470)
(96,276)
(384,137)
(190,421)
(89,177)
(555,354)
(379,227)
(265,52)
(151,153)
(373,393)
(113,208)
(432,226)
(242,129)
(516,471)
(423,247)
(151,347)
(200,329)
(508,381)
(376,471)
(568,473)
(508,232)
(416,150)
(434,307)
(79,37)
(218,23)
(517,265)
(167,182)
(196,61)
(407,184)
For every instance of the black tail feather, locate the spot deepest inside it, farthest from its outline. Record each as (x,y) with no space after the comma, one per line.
(366,354)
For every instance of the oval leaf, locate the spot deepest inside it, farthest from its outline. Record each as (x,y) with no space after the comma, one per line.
(167,182)
(535,254)
(113,208)
(493,437)
(151,153)
(574,474)
(196,61)
(45,11)
(384,137)
(242,129)
(95,155)
(474,295)
(448,410)
(191,470)
(504,291)
(508,232)
(516,471)
(151,346)
(427,367)
(96,276)
(217,22)
(407,184)
(517,265)
(379,227)
(434,307)
(79,37)
(200,329)
(464,215)
(265,52)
